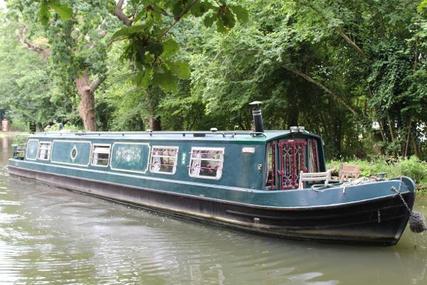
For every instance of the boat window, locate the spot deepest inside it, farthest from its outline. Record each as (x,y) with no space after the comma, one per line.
(271,158)
(44,150)
(312,156)
(100,155)
(163,159)
(206,162)
(32,149)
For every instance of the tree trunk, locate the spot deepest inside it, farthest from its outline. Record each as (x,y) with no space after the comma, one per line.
(87,102)
(292,115)
(415,146)
(155,123)
(408,136)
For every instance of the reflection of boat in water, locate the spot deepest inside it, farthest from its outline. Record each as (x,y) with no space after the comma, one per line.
(261,181)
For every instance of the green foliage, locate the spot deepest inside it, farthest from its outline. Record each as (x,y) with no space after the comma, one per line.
(412,167)
(47,6)
(150,44)
(24,81)
(415,169)
(333,66)
(68,127)
(422,6)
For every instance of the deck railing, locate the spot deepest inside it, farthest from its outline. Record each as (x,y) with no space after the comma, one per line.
(155,133)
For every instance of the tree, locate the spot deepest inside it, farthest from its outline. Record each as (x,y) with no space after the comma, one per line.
(24,81)
(77,36)
(334,66)
(150,44)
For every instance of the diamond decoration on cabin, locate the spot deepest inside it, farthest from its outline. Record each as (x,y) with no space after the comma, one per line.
(73,153)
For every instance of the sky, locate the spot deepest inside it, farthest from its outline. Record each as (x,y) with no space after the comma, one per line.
(2,4)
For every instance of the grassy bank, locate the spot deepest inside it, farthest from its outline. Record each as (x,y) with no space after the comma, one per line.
(11,134)
(412,167)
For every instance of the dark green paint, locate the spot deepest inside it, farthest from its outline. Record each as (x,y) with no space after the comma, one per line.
(62,152)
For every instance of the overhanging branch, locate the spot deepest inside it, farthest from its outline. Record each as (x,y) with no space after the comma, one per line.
(332,94)
(22,37)
(95,83)
(118,12)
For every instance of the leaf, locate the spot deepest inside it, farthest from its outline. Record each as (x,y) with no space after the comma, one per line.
(155,48)
(44,14)
(140,15)
(64,11)
(227,18)
(422,6)
(178,9)
(241,13)
(170,47)
(126,32)
(180,68)
(166,81)
(208,20)
(144,78)
(220,26)
(111,6)
(200,8)
(196,9)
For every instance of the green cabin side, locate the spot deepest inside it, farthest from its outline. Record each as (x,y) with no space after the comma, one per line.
(247,160)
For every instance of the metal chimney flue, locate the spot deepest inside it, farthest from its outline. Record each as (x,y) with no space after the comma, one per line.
(257,116)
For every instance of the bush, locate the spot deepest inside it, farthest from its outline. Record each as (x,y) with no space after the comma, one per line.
(412,167)
(57,127)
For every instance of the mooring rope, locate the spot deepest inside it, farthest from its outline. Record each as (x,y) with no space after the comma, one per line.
(417,222)
(401,198)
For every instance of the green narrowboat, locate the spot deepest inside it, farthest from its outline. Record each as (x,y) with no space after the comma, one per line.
(269,182)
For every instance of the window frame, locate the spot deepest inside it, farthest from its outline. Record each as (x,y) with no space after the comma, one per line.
(216,177)
(49,150)
(92,153)
(271,165)
(153,147)
(26,150)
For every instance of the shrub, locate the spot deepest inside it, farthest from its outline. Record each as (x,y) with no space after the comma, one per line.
(412,167)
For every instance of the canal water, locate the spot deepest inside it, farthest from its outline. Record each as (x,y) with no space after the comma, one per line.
(53,236)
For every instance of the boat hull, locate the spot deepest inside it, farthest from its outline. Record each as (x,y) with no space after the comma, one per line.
(373,221)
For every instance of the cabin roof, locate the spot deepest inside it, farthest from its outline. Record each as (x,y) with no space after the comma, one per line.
(243,136)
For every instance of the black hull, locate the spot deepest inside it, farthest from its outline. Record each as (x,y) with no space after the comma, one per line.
(377,221)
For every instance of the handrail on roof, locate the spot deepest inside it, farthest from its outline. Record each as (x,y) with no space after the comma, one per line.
(151,133)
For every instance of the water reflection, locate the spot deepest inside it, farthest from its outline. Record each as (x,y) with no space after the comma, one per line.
(5,147)
(52,235)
